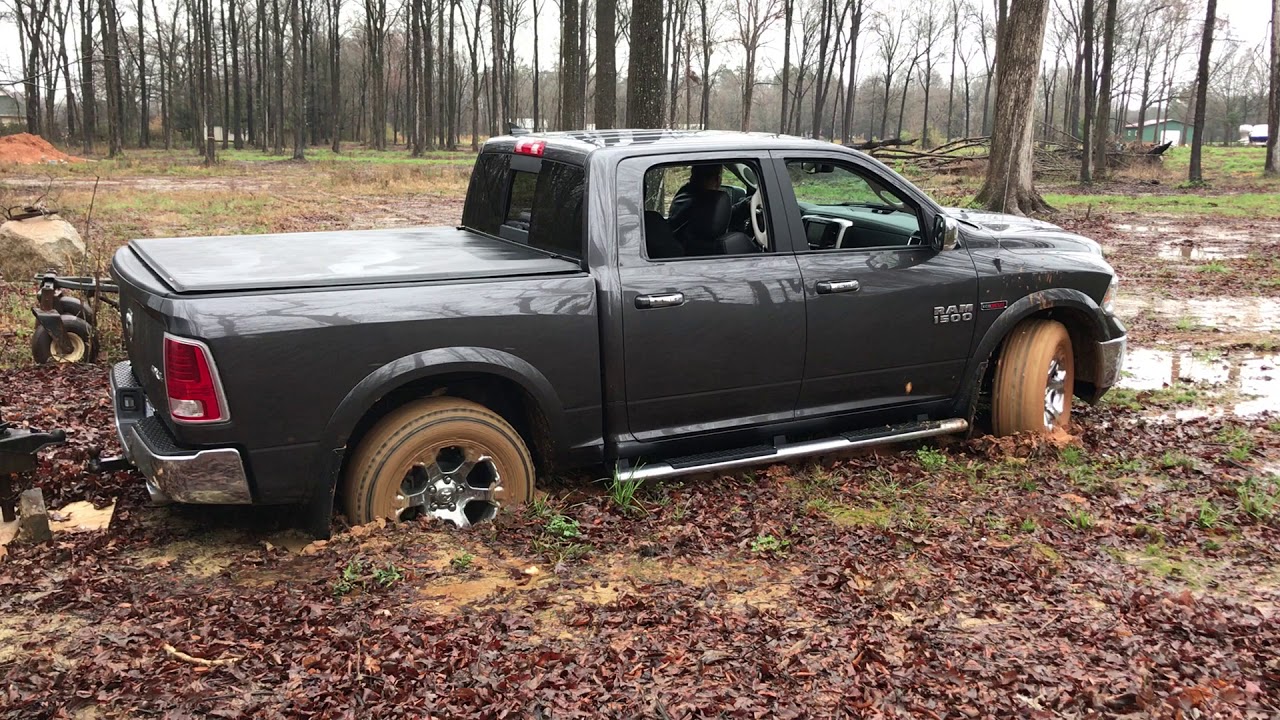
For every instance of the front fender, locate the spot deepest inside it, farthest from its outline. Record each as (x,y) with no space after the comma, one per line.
(1037,302)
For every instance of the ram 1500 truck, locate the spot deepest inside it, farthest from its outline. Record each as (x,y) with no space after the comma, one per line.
(649,302)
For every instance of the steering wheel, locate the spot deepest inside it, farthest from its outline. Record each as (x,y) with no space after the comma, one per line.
(757,221)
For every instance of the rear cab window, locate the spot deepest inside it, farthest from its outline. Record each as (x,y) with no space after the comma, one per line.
(528,200)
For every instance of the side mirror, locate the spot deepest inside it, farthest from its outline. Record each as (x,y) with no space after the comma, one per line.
(946,233)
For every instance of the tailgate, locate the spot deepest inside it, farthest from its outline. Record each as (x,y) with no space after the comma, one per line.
(143,300)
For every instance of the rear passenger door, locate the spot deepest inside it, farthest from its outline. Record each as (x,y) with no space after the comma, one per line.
(890,318)
(711,342)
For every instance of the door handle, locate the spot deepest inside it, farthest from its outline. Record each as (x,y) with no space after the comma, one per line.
(661,300)
(828,287)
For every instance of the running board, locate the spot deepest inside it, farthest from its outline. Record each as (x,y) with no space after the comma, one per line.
(758,455)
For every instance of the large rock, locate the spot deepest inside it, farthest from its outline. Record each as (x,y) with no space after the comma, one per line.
(28,247)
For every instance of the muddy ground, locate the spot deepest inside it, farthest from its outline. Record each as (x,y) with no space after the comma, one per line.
(1129,570)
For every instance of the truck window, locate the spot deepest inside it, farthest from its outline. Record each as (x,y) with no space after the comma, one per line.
(540,206)
(845,209)
(705,209)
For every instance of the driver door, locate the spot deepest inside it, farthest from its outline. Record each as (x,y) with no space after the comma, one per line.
(872,285)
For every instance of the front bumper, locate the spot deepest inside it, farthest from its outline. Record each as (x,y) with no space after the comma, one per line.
(211,476)
(1111,356)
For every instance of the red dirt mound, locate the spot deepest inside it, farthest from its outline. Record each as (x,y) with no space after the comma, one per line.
(28,149)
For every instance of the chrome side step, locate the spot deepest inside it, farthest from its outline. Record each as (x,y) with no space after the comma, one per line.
(760,456)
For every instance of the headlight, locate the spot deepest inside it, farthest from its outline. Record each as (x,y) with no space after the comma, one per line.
(1109,298)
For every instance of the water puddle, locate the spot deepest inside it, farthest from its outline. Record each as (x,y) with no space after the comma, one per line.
(1179,242)
(1191,250)
(1245,383)
(1248,313)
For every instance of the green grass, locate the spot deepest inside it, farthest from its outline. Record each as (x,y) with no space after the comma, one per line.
(622,491)
(768,544)
(1259,497)
(931,459)
(1244,205)
(1081,520)
(1214,266)
(1171,460)
(462,561)
(563,527)
(1209,515)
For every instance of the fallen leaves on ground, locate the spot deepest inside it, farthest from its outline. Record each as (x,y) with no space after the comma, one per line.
(973,589)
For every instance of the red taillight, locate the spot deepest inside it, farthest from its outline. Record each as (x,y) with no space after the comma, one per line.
(530,146)
(190,382)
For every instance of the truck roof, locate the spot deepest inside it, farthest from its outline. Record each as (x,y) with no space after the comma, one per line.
(575,145)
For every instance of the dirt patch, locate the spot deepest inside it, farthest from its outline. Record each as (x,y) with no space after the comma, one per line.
(28,149)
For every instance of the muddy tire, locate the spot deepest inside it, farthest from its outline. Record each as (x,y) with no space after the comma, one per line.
(83,345)
(442,456)
(1034,380)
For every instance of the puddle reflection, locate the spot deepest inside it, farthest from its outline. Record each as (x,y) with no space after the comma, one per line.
(1250,382)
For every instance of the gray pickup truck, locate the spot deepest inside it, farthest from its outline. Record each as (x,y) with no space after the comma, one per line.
(653,303)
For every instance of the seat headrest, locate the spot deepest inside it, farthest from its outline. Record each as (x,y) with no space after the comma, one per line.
(714,213)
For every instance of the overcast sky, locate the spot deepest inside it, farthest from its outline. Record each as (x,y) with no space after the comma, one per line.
(1249,23)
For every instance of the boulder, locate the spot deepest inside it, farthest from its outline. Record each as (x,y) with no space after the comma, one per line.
(31,246)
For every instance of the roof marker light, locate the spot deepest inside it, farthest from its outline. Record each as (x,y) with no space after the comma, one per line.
(530,146)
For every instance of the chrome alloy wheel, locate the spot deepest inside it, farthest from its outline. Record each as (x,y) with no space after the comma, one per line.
(457,483)
(1055,393)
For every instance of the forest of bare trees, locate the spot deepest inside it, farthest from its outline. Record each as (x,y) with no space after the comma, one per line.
(428,74)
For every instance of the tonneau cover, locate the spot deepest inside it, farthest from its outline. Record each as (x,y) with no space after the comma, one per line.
(345,257)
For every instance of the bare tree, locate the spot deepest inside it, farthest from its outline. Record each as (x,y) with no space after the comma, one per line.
(570,102)
(606,109)
(1272,167)
(1008,186)
(645,72)
(851,89)
(375,30)
(754,18)
(297,72)
(1194,173)
(1101,123)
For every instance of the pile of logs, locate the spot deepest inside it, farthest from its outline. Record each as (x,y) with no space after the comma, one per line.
(969,155)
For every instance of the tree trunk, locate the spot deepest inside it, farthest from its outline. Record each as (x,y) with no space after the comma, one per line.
(299,99)
(1102,122)
(606,110)
(788,14)
(89,121)
(1090,95)
(335,74)
(644,71)
(1008,186)
(111,67)
(1202,88)
(144,115)
(570,103)
(1272,167)
(236,115)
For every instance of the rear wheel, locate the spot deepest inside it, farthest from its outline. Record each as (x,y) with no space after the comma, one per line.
(1034,380)
(445,457)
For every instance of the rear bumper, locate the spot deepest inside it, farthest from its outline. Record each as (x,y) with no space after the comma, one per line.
(214,476)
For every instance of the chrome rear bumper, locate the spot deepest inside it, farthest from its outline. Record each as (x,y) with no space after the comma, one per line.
(213,476)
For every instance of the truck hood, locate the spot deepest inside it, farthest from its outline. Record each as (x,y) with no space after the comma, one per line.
(326,259)
(1015,232)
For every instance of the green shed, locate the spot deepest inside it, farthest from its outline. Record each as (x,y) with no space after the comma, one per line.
(1159,131)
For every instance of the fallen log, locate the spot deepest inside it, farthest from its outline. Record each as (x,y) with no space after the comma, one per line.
(873,144)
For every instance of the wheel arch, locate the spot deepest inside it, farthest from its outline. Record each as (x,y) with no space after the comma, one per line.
(498,380)
(1075,310)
